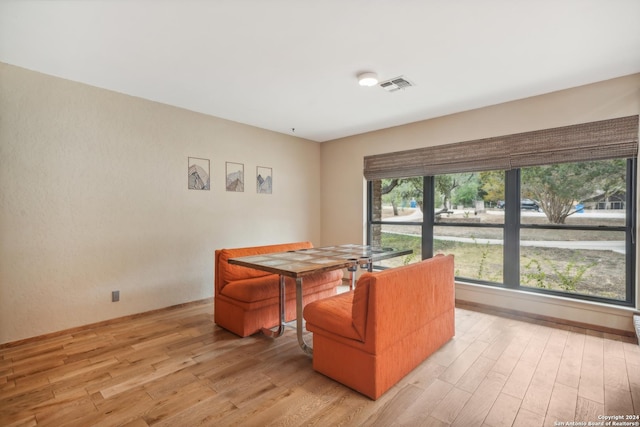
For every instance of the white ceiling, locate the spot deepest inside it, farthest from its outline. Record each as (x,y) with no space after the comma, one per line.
(283,64)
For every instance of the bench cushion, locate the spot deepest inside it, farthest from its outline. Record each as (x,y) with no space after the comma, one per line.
(267,287)
(230,273)
(334,314)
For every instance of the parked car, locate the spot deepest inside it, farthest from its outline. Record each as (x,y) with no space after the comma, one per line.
(528,204)
(525,204)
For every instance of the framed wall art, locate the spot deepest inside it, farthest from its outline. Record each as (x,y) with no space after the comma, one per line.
(198,174)
(264,180)
(235,177)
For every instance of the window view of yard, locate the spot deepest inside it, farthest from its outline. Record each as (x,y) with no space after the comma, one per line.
(572,236)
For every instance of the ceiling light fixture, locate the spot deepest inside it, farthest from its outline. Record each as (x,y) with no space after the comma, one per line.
(368,79)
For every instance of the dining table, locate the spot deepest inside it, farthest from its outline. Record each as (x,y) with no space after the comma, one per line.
(300,263)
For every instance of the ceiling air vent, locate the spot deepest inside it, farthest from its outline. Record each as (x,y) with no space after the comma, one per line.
(396,84)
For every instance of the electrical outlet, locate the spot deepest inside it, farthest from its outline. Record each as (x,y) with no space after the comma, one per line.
(115,296)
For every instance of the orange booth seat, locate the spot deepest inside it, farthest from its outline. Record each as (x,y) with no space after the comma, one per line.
(371,337)
(246,300)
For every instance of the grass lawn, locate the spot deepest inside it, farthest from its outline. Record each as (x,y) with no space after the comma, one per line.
(588,272)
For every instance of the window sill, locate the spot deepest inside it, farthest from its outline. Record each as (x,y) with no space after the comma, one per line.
(597,316)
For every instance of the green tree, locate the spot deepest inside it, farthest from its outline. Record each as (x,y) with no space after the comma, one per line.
(413,189)
(492,183)
(557,187)
(468,192)
(398,190)
(613,178)
(447,184)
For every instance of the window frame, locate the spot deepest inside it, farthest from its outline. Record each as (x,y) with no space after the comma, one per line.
(511,234)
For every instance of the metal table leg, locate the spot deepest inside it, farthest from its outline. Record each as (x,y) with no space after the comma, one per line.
(366,263)
(352,269)
(275,333)
(299,320)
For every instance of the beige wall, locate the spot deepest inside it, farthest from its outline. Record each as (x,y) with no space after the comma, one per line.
(343,187)
(94,198)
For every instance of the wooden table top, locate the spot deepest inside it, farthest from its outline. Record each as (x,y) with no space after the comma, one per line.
(303,262)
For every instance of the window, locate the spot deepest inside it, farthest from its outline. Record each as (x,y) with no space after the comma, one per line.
(575,241)
(571,235)
(398,218)
(466,227)
(548,211)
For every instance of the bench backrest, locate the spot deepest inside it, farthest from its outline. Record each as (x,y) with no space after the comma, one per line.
(225,272)
(393,303)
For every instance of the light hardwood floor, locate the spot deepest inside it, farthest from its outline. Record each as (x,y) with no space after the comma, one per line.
(175,367)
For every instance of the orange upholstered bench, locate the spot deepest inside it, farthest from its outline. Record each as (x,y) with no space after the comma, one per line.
(371,337)
(246,300)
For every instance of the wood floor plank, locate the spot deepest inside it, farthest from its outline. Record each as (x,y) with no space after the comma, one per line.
(450,406)
(476,373)
(118,375)
(591,385)
(615,374)
(69,410)
(169,384)
(527,418)
(78,385)
(618,398)
(30,350)
(182,399)
(19,407)
(79,368)
(633,375)
(207,412)
(27,368)
(138,422)
(463,362)
(131,405)
(563,402)
(423,375)
(289,408)
(587,410)
(465,319)
(519,380)
(511,355)
(631,352)
(159,371)
(425,403)
(481,329)
(535,347)
(481,402)
(613,349)
(571,362)
(247,393)
(451,351)
(397,406)
(25,385)
(175,367)
(538,394)
(28,420)
(347,408)
(503,412)
(498,346)
(618,402)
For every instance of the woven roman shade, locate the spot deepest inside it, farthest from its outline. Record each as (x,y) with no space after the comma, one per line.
(606,139)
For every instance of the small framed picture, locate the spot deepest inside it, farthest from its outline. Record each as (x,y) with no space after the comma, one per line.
(198,174)
(264,180)
(235,177)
